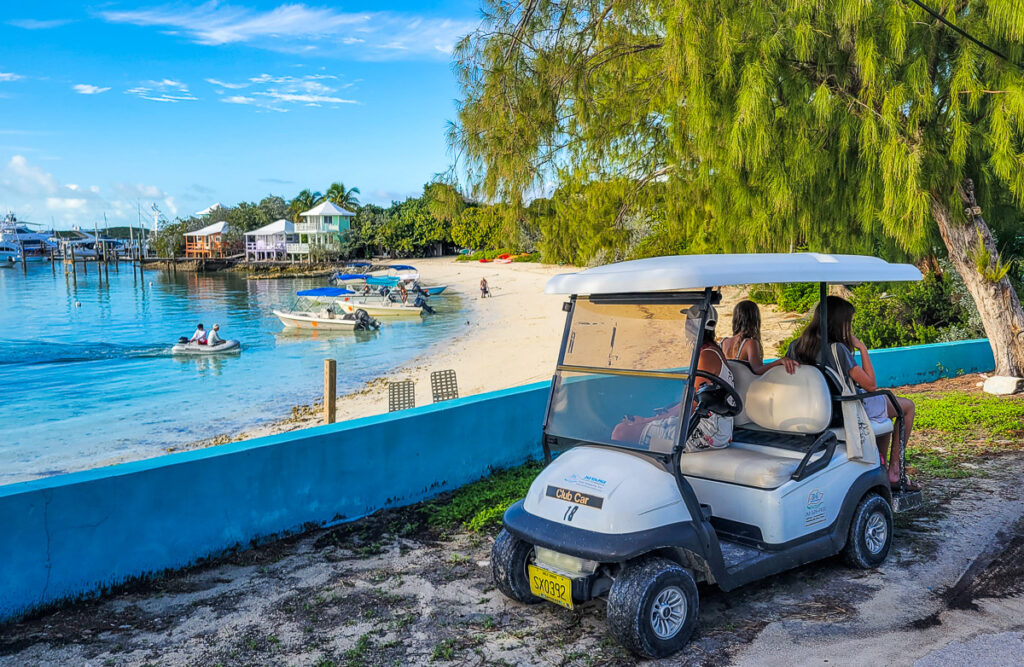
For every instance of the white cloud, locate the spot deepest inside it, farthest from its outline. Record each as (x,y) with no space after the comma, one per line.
(8,76)
(230,86)
(30,190)
(35,24)
(276,93)
(165,90)
(88,89)
(299,28)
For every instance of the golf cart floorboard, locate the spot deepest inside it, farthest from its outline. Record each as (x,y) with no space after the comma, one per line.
(735,555)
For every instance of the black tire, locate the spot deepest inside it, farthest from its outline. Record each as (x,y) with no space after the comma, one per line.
(509,558)
(631,603)
(870,536)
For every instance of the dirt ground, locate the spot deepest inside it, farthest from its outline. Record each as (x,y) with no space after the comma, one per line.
(391,590)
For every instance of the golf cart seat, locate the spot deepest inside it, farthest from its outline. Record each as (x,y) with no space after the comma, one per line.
(781,406)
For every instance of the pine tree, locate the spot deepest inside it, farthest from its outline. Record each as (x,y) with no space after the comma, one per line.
(837,125)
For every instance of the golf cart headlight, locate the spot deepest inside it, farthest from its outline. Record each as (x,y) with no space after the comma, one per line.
(564,563)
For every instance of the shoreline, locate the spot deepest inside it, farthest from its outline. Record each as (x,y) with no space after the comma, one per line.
(509,339)
(496,345)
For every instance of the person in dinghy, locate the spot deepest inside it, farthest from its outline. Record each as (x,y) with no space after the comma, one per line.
(199,337)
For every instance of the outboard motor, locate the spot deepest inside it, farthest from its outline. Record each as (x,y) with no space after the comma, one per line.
(183,340)
(364,321)
(422,303)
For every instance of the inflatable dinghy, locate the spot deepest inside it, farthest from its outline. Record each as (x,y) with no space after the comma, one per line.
(195,348)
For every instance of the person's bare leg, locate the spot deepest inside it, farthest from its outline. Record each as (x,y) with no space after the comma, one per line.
(882,441)
(908,424)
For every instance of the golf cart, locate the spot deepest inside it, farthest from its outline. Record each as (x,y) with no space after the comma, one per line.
(637,520)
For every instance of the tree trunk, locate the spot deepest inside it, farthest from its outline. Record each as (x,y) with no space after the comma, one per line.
(997,302)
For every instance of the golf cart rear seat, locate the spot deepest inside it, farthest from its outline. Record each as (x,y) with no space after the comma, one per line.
(782,416)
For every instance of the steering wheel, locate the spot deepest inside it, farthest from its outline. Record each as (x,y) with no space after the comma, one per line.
(719,397)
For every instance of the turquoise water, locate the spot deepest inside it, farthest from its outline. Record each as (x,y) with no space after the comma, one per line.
(93,384)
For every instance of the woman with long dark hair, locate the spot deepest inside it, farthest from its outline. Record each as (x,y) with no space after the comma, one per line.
(807,350)
(745,342)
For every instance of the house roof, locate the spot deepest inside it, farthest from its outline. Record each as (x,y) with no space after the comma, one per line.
(326,208)
(281,226)
(210,230)
(686,272)
(209,209)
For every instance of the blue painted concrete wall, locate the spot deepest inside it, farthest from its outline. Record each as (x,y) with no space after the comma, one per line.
(76,534)
(73,535)
(924,363)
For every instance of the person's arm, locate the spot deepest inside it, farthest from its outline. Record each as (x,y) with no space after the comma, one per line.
(863,375)
(756,359)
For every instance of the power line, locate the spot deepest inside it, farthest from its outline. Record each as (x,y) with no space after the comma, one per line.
(965,34)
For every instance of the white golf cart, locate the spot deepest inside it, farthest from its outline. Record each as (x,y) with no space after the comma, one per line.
(638,521)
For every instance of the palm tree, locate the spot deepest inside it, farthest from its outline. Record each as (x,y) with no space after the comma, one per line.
(339,196)
(303,201)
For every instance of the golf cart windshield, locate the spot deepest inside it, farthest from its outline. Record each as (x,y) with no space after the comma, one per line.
(623,372)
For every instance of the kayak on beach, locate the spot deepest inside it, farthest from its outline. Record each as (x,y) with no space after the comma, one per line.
(196,348)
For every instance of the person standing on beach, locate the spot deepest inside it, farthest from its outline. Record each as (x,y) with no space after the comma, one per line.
(484,290)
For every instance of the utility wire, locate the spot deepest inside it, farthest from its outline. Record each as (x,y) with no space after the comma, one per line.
(965,34)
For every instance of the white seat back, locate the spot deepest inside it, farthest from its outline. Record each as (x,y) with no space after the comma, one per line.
(742,376)
(797,403)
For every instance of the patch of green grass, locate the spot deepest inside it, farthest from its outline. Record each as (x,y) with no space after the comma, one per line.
(479,506)
(443,650)
(936,462)
(357,655)
(961,414)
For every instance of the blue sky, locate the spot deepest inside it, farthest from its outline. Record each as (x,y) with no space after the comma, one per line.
(189,103)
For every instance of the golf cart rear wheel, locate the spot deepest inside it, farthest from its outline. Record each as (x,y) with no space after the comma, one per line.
(653,607)
(867,545)
(509,558)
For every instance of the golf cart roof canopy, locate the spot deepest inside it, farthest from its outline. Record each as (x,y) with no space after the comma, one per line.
(687,272)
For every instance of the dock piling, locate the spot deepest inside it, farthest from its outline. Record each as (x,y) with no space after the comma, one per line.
(330,388)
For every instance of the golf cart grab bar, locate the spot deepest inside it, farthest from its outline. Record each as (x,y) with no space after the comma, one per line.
(827,441)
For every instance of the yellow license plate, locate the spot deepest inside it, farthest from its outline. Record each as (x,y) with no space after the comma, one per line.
(551,586)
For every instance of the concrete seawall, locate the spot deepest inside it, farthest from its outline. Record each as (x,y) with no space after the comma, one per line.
(75,535)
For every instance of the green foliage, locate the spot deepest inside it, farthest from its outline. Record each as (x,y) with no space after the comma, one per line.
(745,126)
(953,428)
(791,297)
(339,196)
(479,506)
(971,415)
(911,313)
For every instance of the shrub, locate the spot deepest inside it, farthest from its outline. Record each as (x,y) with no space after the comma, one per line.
(791,297)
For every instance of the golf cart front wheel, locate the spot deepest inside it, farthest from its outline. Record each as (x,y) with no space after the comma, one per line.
(509,559)
(653,607)
(867,545)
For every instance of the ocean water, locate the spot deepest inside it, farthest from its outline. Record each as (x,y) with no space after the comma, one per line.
(90,384)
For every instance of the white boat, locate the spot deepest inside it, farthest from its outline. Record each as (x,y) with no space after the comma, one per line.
(19,243)
(385,303)
(320,308)
(196,348)
(325,318)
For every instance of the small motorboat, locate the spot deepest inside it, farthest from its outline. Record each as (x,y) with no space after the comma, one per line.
(323,308)
(183,346)
(434,290)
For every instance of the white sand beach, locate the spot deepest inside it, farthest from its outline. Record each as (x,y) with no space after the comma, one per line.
(509,339)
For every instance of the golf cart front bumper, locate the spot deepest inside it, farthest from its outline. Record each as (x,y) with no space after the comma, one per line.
(600,547)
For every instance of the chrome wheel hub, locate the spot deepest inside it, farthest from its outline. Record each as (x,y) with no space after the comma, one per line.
(668,612)
(876,533)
